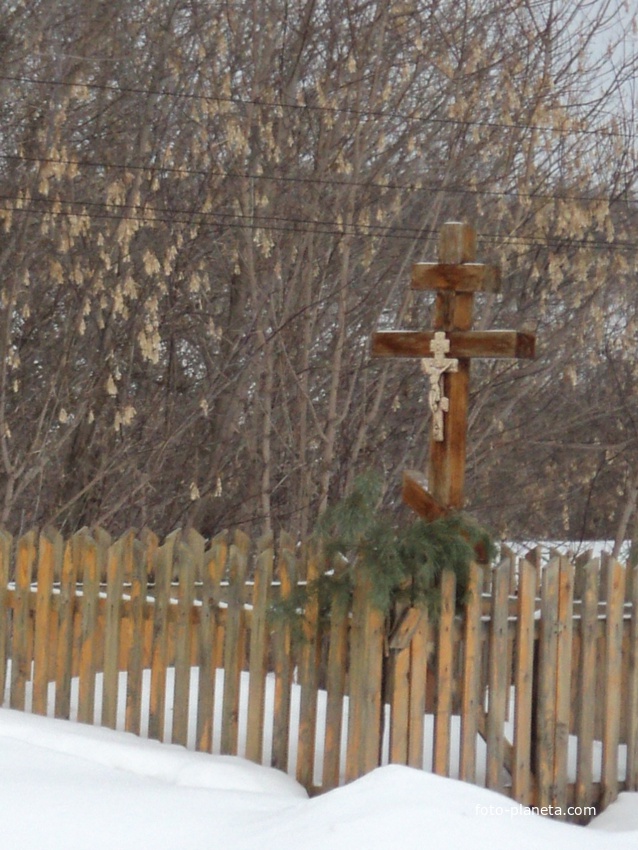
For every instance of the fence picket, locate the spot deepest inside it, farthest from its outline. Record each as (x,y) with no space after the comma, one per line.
(49,551)
(21,645)
(66,617)
(185,564)
(150,543)
(615,596)
(137,607)
(546,709)
(546,673)
(258,659)
(6,542)
(563,684)
(632,702)
(400,645)
(126,635)
(308,664)
(444,676)
(103,541)
(523,684)
(399,703)
(112,619)
(88,661)
(214,564)
(498,679)
(420,653)
(190,568)
(282,648)
(373,690)
(163,569)
(234,643)
(471,703)
(366,672)
(356,675)
(335,686)
(586,687)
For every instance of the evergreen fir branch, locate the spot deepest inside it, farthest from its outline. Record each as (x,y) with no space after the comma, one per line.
(401,564)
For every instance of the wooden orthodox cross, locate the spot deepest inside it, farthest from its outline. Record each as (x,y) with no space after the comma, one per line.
(455,278)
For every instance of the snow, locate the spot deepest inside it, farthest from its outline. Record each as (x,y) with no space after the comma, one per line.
(269,698)
(67,786)
(573,548)
(64,786)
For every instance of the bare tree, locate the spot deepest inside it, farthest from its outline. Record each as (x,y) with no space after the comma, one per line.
(207,208)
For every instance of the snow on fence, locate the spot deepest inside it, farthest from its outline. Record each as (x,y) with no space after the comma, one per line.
(530,687)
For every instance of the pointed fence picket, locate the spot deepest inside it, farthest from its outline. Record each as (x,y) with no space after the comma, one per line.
(258,664)
(112,626)
(88,649)
(499,679)
(213,565)
(308,676)
(163,574)
(65,633)
(282,656)
(337,637)
(185,562)
(523,682)
(98,629)
(612,692)
(21,625)
(50,551)
(5,612)
(234,643)
(471,672)
(365,681)
(444,676)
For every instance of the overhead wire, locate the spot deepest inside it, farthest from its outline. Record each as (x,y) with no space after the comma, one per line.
(255,221)
(259,221)
(321,181)
(341,110)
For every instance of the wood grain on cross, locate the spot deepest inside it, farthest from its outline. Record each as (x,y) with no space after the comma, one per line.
(455,278)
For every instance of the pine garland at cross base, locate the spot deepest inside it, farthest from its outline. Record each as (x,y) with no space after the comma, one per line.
(402,563)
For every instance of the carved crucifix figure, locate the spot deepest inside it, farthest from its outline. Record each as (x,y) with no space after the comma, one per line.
(435,368)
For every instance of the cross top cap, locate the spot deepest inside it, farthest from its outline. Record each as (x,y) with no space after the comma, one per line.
(457,243)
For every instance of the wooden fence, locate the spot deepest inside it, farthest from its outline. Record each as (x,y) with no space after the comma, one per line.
(527,690)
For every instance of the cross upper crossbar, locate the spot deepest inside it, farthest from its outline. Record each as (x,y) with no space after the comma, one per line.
(469,277)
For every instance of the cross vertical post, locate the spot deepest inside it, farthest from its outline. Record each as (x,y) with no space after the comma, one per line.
(453,312)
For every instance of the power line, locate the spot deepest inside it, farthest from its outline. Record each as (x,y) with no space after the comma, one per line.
(287,224)
(256,218)
(334,110)
(243,175)
(209,220)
